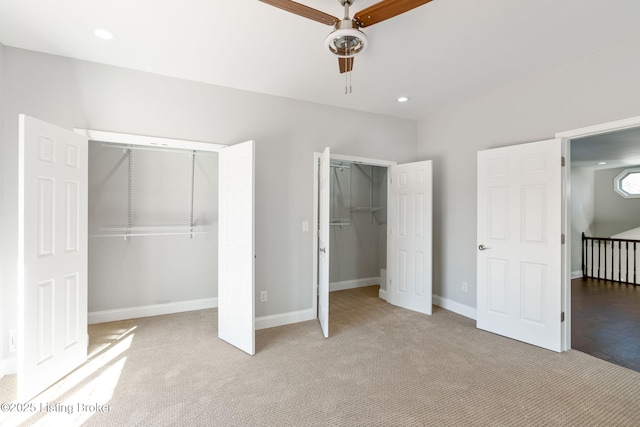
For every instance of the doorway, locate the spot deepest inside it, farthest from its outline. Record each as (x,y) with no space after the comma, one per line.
(233,246)
(560,293)
(153,230)
(604,310)
(358,224)
(574,237)
(408,229)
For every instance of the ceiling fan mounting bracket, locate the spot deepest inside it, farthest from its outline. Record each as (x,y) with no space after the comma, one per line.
(346,4)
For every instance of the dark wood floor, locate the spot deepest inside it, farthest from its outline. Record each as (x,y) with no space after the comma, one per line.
(605,321)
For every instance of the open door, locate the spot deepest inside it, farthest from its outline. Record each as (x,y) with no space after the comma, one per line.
(519,255)
(409,260)
(323,241)
(236,276)
(52,254)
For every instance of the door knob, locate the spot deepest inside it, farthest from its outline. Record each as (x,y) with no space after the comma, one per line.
(483,247)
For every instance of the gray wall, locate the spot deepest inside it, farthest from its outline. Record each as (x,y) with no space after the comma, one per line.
(613,213)
(73,93)
(588,91)
(148,270)
(582,211)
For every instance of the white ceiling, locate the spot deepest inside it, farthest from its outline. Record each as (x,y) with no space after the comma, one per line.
(617,149)
(439,54)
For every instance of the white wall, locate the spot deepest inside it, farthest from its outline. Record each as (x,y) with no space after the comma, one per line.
(3,301)
(613,213)
(74,93)
(582,211)
(594,89)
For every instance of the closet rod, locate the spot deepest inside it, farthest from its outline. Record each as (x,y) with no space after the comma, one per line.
(127,235)
(159,148)
(146,227)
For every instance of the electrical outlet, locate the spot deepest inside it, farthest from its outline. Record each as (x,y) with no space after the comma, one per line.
(263,296)
(13,345)
(465,287)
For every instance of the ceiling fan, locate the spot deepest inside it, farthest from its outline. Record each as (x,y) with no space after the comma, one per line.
(346,40)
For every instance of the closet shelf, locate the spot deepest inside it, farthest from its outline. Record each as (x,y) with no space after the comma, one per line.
(131,230)
(169,233)
(366,209)
(108,228)
(150,230)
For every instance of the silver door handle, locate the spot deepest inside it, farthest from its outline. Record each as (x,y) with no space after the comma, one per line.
(483,247)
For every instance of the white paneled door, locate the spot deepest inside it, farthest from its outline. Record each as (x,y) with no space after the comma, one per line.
(409,259)
(520,241)
(236,274)
(52,252)
(323,241)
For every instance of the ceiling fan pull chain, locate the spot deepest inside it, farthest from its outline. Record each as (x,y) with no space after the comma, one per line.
(346,83)
(347,75)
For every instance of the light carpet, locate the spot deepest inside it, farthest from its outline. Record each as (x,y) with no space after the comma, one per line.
(381,366)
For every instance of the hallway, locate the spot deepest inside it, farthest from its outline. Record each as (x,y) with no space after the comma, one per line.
(605,321)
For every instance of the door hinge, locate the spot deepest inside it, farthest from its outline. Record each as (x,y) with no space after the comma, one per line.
(562,239)
(562,162)
(562,317)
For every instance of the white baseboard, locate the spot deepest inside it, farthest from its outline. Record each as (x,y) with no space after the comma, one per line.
(352,284)
(576,274)
(274,320)
(447,304)
(456,307)
(151,310)
(8,366)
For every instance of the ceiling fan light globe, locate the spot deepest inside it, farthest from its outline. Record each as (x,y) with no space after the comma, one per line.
(346,42)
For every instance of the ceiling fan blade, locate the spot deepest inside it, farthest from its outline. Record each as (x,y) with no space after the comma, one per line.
(302,10)
(346,64)
(384,10)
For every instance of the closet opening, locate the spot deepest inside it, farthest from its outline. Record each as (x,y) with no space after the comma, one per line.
(358,225)
(373,224)
(153,227)
(130,236)
(357,238)
(381,214)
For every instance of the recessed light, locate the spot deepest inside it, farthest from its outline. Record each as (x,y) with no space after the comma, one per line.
(403,99)
(602,163)
(104,34)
